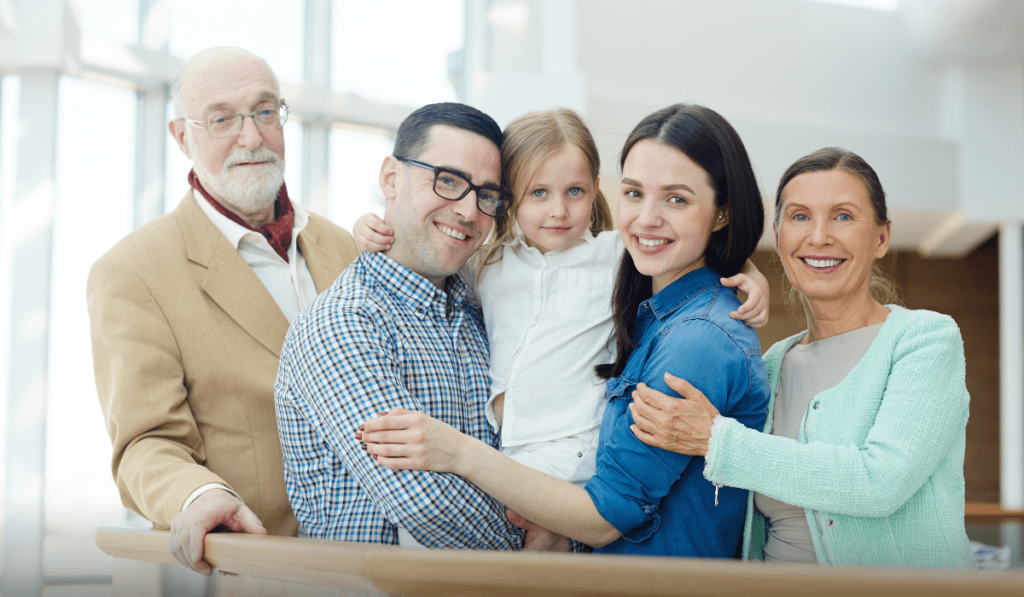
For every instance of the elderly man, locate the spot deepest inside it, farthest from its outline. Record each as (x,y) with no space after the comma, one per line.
(189,313)
(397,329)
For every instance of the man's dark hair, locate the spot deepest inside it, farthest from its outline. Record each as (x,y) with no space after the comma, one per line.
(414,132)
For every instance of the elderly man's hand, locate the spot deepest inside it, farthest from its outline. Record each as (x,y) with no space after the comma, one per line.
(208,511)
(678,425)
(537,537)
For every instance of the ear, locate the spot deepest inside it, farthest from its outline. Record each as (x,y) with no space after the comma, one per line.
(388,180)
(883,240)
(721,220)
(177,130)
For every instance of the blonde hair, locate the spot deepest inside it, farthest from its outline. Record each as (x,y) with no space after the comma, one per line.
(538,135)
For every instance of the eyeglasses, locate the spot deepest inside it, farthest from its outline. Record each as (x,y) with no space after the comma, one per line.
(228,125)
(453,186)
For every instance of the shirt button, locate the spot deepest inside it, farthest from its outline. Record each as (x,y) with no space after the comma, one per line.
(579,455)
(831,522)
(420,311)
(816,405)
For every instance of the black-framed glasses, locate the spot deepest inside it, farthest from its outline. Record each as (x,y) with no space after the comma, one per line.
(452,185)
(272,116)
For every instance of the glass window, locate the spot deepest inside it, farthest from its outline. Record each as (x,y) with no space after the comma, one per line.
(271,29)
(396,50)
(355,165)
(95,189)
(10,88)
(116,20)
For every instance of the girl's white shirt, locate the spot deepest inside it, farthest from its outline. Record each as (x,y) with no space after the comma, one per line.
(549,322)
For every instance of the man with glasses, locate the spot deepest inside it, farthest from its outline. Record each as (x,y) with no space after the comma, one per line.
(398,330)
(189,314)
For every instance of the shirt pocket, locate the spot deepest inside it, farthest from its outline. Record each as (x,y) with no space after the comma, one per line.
(584,293)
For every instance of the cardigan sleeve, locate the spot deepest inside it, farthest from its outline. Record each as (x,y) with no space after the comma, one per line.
(923,407)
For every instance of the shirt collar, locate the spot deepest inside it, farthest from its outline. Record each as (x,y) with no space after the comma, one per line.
(519,242)
(412,288)
(235,232)
(676,294)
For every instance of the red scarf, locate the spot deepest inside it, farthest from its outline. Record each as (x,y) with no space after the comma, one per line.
(278,233)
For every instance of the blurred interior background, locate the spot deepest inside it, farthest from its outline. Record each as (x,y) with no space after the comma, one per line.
(929,92)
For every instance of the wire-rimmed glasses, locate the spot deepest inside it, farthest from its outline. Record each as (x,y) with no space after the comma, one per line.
(271,116)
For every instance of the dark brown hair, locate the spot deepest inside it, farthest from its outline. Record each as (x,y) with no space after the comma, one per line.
(708,139)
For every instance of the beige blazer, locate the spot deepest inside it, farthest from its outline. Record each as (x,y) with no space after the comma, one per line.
(185,342)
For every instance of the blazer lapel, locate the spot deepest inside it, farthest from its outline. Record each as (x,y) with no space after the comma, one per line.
(319,259)
(229,280)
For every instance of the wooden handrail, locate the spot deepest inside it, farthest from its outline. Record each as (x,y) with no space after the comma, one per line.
(439,572)
(991,514)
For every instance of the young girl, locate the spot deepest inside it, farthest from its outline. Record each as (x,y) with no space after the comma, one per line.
(545,283)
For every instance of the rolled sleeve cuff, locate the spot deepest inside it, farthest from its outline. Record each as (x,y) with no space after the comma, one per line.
(636,522)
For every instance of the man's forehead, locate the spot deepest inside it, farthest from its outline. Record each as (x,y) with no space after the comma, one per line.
(229,80)
(464,150)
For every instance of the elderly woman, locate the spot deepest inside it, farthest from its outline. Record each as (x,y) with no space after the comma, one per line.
(861,459)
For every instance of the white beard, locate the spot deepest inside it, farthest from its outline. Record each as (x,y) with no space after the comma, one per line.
(250,189)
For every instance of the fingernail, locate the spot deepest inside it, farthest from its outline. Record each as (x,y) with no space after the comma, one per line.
(360,427)
(359,436)
(667,374)
(374,456)
(363,446)
(382,413)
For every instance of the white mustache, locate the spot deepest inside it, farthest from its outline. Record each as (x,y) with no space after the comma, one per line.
(244,156)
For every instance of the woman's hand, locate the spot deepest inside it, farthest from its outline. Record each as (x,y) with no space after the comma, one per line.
(751,282)
(678,425)
(403,439)
(372,234)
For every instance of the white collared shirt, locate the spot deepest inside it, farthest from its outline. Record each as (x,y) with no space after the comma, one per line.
(288,282)
(549,322)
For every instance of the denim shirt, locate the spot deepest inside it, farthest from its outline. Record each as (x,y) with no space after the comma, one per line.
(659,500)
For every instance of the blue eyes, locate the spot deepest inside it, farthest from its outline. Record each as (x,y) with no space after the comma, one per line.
(841,217)
(573,192)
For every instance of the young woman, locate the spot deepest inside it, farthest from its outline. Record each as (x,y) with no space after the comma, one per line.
(690,213)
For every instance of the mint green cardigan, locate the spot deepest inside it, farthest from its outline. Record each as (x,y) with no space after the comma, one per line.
(879,464)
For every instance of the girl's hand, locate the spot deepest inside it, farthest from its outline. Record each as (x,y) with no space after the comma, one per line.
(372,234)
(678,425)
(537,537)
(403,439)
(751,282)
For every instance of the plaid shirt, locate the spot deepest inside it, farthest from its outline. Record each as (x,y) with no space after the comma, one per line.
(384,337)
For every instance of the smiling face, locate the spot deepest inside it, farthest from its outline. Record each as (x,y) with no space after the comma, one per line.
(827,237)
(557,200)
(666,212)
(433,236)
(244,171)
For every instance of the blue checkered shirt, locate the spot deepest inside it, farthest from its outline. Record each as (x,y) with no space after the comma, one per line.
(383,337)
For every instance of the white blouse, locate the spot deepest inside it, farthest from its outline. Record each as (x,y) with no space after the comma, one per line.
(549,322)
